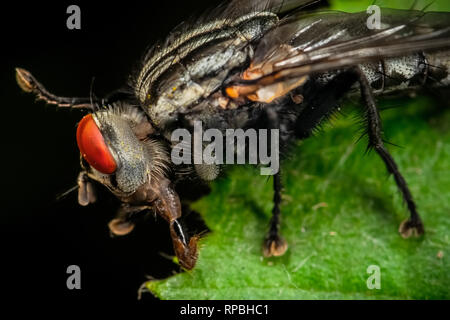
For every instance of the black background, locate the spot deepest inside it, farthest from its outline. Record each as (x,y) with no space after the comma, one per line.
(40,236)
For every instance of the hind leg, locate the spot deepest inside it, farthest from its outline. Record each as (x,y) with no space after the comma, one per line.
(413,225)
(274,244)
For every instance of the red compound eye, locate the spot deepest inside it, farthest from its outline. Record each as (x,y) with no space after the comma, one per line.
(93,147)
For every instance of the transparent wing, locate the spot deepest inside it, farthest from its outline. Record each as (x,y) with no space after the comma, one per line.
(309,43)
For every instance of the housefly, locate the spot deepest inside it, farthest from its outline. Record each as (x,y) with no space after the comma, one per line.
(271,64)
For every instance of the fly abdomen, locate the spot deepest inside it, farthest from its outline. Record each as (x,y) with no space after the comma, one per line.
(400,73)
(438,68)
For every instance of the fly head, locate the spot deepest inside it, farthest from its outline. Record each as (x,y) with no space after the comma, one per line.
(118,150)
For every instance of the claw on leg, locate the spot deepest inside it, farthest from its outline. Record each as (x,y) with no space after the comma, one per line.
(274,246)
(410,228)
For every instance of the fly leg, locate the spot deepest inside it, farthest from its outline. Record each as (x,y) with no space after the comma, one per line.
(28,83)
(274,244)
(123,223)
(413,225)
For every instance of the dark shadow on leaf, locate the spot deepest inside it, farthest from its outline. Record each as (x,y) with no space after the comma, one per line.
(379,203)
(255,208)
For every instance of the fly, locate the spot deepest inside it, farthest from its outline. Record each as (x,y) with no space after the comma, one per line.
(251,64)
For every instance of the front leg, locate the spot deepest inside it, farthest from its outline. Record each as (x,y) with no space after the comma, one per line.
(123,222)
(413,225)
(28,83)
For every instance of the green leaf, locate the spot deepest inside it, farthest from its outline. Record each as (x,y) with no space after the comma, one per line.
(361,5)
(340,214)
